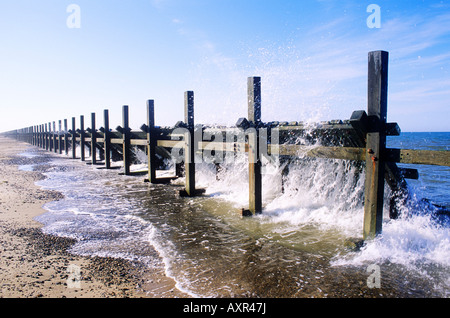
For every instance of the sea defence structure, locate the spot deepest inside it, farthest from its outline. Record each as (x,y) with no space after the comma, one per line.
(361,139)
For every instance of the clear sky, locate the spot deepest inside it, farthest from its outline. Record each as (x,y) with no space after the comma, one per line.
(311,55)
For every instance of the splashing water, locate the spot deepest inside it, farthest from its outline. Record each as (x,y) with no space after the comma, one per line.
(209,250)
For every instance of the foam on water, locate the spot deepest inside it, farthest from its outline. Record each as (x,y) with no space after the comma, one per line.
(319,208)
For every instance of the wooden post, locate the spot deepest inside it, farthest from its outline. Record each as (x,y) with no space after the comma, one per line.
(66,138)
(38,135)
(82,137)
(50,138)
(46,137)
(93,140)
(74,140)
(254,117)
(55,144)
(375,143)
(107,140)
(189,150)
(60,140)
(151,140)
(126,141)
(33,135)
(41,135)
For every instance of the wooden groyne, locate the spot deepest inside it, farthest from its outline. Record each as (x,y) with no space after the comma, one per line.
(362,138)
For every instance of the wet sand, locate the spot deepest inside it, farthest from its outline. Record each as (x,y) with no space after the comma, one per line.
(35,265)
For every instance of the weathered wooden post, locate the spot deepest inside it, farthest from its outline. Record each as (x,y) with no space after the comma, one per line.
(66,137)
(74,139)
(93,140)
(107,139)
(38,135)
(375,143)
(254,117)
(60,140)
(55,144)
(151,141)
(126,140)
(82,137)
(189,150)
(50,138)
(41,136)
(33,135)
(42,142)
(46,137)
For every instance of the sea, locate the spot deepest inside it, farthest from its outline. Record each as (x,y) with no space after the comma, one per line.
(297,248)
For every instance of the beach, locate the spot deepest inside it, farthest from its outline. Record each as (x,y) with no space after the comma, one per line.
(72,230)
(34,264)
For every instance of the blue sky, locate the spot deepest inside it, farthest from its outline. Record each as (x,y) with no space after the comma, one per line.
(311,55)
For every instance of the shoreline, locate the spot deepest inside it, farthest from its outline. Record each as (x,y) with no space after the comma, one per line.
(38,265)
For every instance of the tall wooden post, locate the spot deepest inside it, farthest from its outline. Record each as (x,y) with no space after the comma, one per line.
(33,135)
(38,135)
(66,138)
(82,137)
(55,144)
(50,137)
(254,117)
(60,140)
(375,143)
(126,141)
(93,140)
(151,140)
(189,150)
(46,137)
(107,140)
(74,140)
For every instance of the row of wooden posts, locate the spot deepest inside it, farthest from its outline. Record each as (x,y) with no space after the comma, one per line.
(361,138)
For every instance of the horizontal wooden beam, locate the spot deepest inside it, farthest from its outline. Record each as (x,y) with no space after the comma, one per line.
(170,143)
(224,146)
(423,157)
(347,153)
(138,142)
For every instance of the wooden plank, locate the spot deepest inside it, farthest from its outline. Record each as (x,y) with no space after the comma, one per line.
(375,143)
(171,143)
(424,157)
(138,142)
(118,141)
(224,146)
(346,153)
(254,166)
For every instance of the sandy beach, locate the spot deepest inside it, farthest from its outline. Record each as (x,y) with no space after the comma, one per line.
(34,265)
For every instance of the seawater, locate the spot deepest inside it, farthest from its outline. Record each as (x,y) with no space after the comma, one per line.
(295,248)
